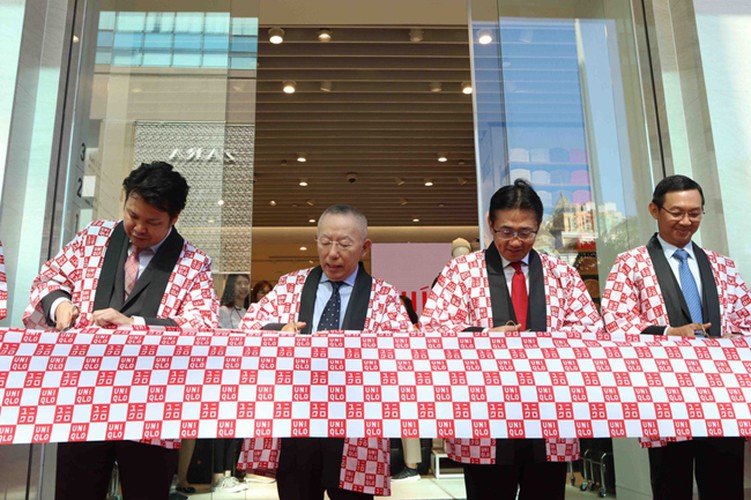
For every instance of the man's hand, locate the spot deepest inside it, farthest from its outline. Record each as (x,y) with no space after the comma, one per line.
(689,330)
(506,328)
(65,315)
(110,318)
(293,326)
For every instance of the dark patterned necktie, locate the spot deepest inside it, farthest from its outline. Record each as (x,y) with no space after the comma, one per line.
(330,316)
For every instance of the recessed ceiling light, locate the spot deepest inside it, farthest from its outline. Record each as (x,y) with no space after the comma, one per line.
(289,87)
(272,203)
(415,220)
(327,86)
(435,86)
(403,201)
(324,35)
(312,221)
(443,157)
(310,203)
(301,157)
(416,35)
(276,35)
(466,88)
(428,182)
(441,205)
(399,181)
(220,203)
(302,183)
(303,248)
(484,37)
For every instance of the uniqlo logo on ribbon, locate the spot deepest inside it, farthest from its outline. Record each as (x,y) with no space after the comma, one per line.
(550,429)
(462,411)
(714,428)
(78,433)
(649,429)
(372,393)
(410,428)
(516,429)
(445,428)
(390,410)
(42,433)
(225,429)
(127,363)
(48,396)
(188,429)
(157,394)
(480,429)
(192,393)
(20,363)
(141,377)
(389,378)
(282,410)
(373,428)
(56,363)
(511,394)
(426,410)
(228,393)
(33,380)
(152,430)
(27,415)
(442,393)
(100,412)
(578,394)
(64,414)
(177,377)
(319,378)
(173,411)
(249,377)
(337,393)
(408,393)
(371,365)
(319,410)
(246,410)
(353,378)
(337,428)
(212,377)
(300,428)
(162,363)
(209,410)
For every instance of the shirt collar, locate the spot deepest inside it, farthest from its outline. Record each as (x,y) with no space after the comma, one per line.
(350,280)
(670,249)
(506,263)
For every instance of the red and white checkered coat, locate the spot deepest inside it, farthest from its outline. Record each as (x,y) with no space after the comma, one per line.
(365,461)
(461,298)
(632,299)
(3,285)
(189,299)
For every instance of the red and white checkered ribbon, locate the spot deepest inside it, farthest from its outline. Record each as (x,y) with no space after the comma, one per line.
(96,384)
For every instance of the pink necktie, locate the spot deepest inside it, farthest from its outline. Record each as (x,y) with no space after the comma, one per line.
(519,297)
(131,271)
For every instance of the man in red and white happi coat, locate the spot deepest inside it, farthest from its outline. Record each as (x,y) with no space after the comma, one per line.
(511,283)
(3,285)
(673,287)
(336,295)
(136,271)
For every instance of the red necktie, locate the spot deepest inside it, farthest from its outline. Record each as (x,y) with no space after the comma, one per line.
(519,297)
(131,271)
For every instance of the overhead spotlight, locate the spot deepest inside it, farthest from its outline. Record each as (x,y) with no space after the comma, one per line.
(428,182)
(466,88)
(399,181)
(272,203)
(302,249)
(461,163)
(312,221)
(276,35)
(324,35)
(436,86)
(403,201)
(415,220)
(443,157)
(301,157)
(484,37)
(303,183)
(289,87)
(327,86)
(220,203)
(416,35)
(310,203)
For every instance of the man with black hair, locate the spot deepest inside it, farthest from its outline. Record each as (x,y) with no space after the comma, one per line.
(511,287)
(673,287)
(135,271)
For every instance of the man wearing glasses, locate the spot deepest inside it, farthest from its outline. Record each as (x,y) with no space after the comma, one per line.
(672,286)
(336,295)
(511,287)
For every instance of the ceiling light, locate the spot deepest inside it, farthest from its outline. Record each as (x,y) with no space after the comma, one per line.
(312,221)
(324,35)
(301,157)
(289,87)
(399,181)
(428,182)
(484,37)
(461,163)
(327,86)
(441,205)
(303,248)
(415,220)
(276,35)
(76,39)
(466,88)
(310,203)
(416,35)
(403,201)
(436,86)
(303,183)
(272,203)
(443,157)
(220,203)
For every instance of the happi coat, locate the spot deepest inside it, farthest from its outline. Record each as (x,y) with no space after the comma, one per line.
(374,306)
(461,299)
(643,296)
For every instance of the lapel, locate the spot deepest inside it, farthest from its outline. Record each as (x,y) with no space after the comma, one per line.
(500,300)
(308,298)
(675,304)
(710,301)
(153,281)
(112,266)
(357,309)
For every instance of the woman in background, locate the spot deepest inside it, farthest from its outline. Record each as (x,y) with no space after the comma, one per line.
(235,301)
(260,290)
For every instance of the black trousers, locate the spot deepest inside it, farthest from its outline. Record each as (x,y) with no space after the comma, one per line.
(717,463)
(533,478)
(308,467)
(84,470)
(224,453)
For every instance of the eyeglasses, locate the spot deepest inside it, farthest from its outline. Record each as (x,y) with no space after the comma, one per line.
(507,234)
(693,215)
(343,246)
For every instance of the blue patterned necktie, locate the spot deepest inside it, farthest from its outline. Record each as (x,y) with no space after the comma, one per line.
(688,285)
(331,312)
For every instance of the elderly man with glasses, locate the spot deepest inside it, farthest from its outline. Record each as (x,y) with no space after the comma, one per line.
(511,287)
(336,295)
(672,286)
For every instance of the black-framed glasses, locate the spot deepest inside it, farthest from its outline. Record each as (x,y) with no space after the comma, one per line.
(693,215)
(507,234)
